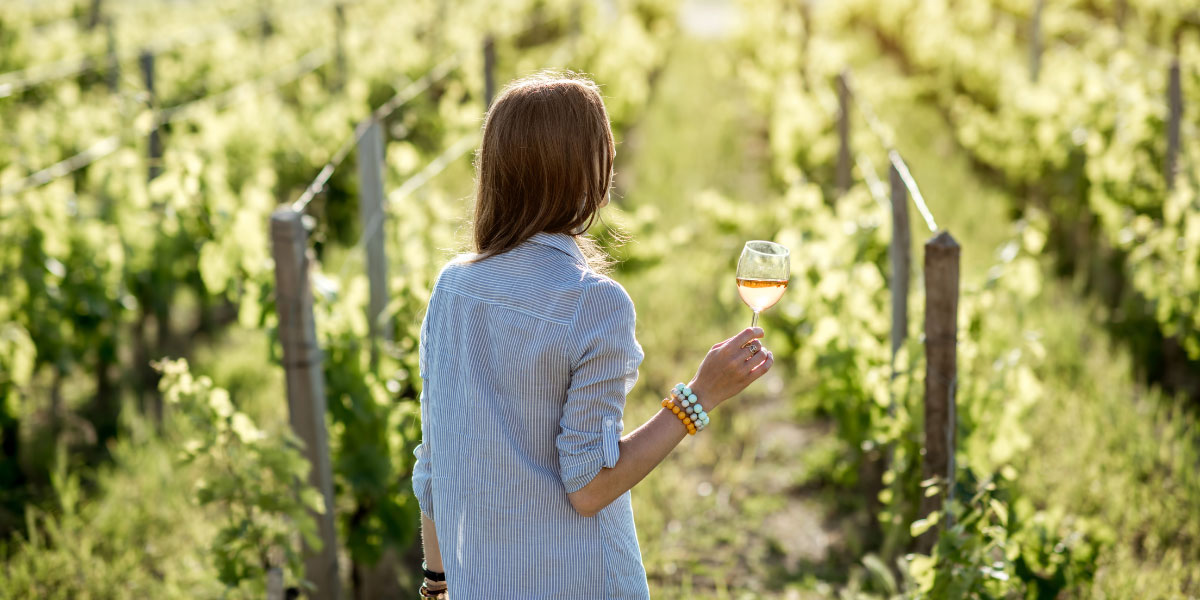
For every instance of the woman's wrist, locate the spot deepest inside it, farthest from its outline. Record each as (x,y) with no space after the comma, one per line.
(685,405)
(433,588)
(429,592)
(432,574)
(435,580)
(703,394)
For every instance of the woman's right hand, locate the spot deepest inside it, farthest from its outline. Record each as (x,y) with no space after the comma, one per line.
(730,366)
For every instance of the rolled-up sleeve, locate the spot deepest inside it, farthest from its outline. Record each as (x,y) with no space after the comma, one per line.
(422,478)
(603,372)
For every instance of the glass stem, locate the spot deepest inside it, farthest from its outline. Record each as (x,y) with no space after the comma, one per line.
(754,319)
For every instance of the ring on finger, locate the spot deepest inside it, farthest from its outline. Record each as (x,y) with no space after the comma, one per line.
(754,348)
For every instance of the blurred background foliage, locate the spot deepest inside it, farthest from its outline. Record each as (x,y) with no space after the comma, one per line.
(143,427)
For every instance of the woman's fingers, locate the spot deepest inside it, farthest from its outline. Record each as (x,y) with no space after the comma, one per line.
(745,336)
(754,361)
(740,340)
(753,349)
(752,368)
(763,366)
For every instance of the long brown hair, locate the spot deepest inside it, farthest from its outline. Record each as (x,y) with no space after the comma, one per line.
(545,164)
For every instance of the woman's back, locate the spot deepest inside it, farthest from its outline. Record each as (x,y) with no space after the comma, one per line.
(526,359)
(527,354)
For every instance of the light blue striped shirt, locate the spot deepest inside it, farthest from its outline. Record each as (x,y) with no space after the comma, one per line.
(526,358)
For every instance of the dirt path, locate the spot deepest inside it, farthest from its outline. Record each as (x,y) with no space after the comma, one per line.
(732,512)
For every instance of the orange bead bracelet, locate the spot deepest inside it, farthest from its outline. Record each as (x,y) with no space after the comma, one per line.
(691,414)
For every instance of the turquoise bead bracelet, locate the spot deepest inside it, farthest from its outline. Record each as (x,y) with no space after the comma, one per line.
(684,403)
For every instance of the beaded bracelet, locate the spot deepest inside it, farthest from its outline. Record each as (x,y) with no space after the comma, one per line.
(432,575)
(688,409)
(434,585)
(427,592)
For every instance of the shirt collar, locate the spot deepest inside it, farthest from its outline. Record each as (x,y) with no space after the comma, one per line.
(562,242)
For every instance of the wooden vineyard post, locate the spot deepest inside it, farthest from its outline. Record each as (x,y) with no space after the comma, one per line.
(806,25)
(339,23)
(1174,118)
(435,29)
(94,14)
(266,28)
(489,70)
(275,583)
(941,375)
(370,205)
(901,253)
(843,129)
(305,386)
(1035,41)
(146,62)
(114,63)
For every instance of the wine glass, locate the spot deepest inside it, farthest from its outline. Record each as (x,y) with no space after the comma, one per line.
(762,275)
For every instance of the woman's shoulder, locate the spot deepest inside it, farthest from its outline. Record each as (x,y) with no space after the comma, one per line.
(593,294)
(601,283)
(606,316)
(601,293)
(454,264)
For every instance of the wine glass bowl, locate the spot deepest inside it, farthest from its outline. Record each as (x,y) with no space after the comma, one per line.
(762,275)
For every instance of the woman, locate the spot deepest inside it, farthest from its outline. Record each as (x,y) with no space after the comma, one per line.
(527,354)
